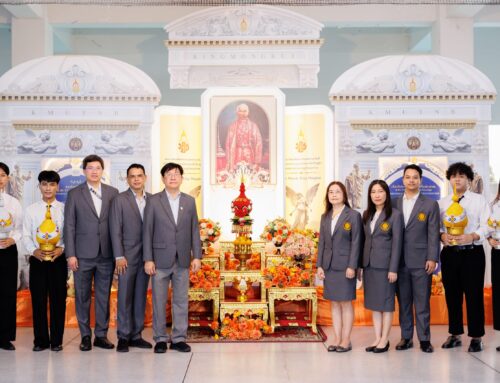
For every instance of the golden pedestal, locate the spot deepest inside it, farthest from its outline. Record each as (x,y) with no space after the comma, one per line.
(294,294)
(207,295)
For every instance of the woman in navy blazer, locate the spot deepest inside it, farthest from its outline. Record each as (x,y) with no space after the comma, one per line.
(340,239)
(383,227)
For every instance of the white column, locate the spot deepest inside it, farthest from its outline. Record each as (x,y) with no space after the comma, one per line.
(31,38)
(453,36)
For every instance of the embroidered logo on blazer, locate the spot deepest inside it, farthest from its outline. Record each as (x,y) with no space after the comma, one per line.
(421,216)
(347,226)
(385,226)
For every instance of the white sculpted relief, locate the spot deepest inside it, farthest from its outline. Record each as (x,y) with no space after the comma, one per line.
(450,142)
(110,144)
(378,143)
(37,144)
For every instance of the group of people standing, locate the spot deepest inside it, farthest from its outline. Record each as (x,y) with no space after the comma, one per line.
(135,234)
(394,248)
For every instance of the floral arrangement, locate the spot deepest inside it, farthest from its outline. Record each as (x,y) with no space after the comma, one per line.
(437,287)
(231,263)
(254,262)
(206,278)
(299,248)
(284,275)
(311,234)
(277,231)
(241,326)
(209,231)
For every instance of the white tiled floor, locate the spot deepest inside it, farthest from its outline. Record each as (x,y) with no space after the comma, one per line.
(253,362)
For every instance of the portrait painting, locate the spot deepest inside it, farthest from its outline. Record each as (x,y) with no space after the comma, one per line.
(243,139)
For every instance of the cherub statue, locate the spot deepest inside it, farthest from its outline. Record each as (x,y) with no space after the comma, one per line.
(113,145)
(37,144)
(302,205)
(450,143)
(16,183)
(376,144)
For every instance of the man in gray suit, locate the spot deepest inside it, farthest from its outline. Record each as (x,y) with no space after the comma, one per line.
(88,250)
(170,237)
(125,226)
(420,255)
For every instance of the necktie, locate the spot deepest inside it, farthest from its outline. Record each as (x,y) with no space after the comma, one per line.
(95,193)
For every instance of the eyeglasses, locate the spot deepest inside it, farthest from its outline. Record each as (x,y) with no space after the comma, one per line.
(173,175)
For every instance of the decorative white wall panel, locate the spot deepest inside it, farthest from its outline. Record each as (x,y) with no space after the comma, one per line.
(413,106)
(244,46)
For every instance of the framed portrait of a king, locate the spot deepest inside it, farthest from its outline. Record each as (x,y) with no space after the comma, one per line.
(243,139)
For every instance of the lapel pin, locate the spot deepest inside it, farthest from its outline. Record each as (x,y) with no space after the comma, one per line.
(182,208)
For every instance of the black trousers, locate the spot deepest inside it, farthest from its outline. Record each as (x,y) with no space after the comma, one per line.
(495,287)
(463,274)
(48,282)
(8,293)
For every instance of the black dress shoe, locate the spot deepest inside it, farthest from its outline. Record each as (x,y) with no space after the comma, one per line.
(344,349)
(426,346)
(370,348)
(57,348)
(7,346)
(476,345)
(122,345)
(103,342)
(38,348)
(452,341)
(160,347)
(332,348)
(86,345)
(404,344)
(181,347)
(140,343)
(381,350)
(498,348)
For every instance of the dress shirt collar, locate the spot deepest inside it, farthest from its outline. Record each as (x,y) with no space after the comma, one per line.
(171,197)
(414,198)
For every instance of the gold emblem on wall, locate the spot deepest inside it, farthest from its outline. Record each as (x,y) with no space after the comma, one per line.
(412,86)
(301,144)
(243,25)
(183,145)
(75,87)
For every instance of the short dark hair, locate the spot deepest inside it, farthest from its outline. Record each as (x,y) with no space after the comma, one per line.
(92,158)
(49,176)
(460,168)
(5,168)
(414,167)
(136,166)
(171,165)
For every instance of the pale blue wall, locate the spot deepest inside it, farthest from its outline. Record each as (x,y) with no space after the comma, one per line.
(5,50)
(343,48)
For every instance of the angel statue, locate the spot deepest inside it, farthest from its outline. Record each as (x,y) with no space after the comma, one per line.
(195,192)
(37,144)
(376,143)
(354,186)
(302,206)
(16,183)
(450,143)
(113,145)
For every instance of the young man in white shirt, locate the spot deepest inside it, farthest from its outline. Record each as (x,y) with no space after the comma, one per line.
(9,263)
(463,260)
(48,269)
